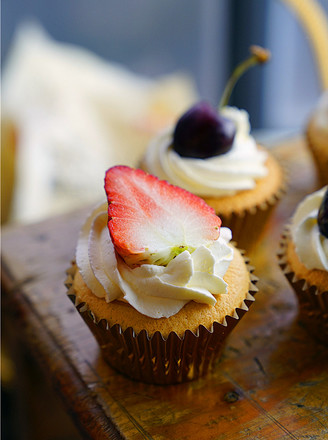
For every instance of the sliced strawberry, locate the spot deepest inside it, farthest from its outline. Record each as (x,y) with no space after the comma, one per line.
(152,221)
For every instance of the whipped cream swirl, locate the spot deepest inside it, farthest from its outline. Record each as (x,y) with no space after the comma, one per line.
(310,245)
(227,174)
(155,291)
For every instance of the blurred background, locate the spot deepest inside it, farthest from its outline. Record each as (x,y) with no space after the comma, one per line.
(84,88)
(85,85)
(204,39)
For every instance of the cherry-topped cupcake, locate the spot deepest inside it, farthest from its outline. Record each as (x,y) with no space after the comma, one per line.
(211,153)
(157,279)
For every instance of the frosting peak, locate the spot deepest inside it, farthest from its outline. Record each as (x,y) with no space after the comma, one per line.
(155,291)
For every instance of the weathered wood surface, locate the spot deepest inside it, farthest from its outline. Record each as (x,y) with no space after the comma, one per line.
(272,382)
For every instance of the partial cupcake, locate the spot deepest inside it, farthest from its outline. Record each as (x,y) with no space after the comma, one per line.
(157,279)
(212,154)
(317,138)
(304,261)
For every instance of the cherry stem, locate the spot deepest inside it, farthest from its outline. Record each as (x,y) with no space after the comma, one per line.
(258,56)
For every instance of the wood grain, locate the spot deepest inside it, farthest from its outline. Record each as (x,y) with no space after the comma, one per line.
(271,382)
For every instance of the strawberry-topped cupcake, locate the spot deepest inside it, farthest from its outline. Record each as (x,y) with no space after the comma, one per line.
(211,153)
(304,260)
(157,279)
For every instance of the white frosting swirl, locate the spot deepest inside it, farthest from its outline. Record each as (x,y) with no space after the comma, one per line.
(155,291)
(310,245)
(222,175)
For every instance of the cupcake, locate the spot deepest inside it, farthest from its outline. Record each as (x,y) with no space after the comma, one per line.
(304,261)
(213,155)
(317,138)
(157,279)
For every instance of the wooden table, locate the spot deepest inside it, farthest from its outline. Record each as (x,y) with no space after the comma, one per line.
(272,382)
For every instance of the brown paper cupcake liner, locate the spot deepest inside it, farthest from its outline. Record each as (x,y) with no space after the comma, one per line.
(155,359)
(248,227)
(313,304)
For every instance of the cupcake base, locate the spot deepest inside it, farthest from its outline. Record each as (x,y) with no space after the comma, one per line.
(313,302)
(155,359)
(317,141)
(249,226)
(247,212)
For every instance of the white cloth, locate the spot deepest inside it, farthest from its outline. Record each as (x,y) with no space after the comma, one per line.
(76,115)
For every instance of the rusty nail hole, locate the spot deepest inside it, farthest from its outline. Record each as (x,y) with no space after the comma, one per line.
(231,397)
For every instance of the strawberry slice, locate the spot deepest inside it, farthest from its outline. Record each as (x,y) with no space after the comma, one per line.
(152,221)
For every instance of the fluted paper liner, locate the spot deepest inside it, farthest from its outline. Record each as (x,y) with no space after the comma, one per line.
(249,225)
(313,304)
(155,359)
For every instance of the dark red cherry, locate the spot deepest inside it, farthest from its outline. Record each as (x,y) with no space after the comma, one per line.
(323,215)
(202,132)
